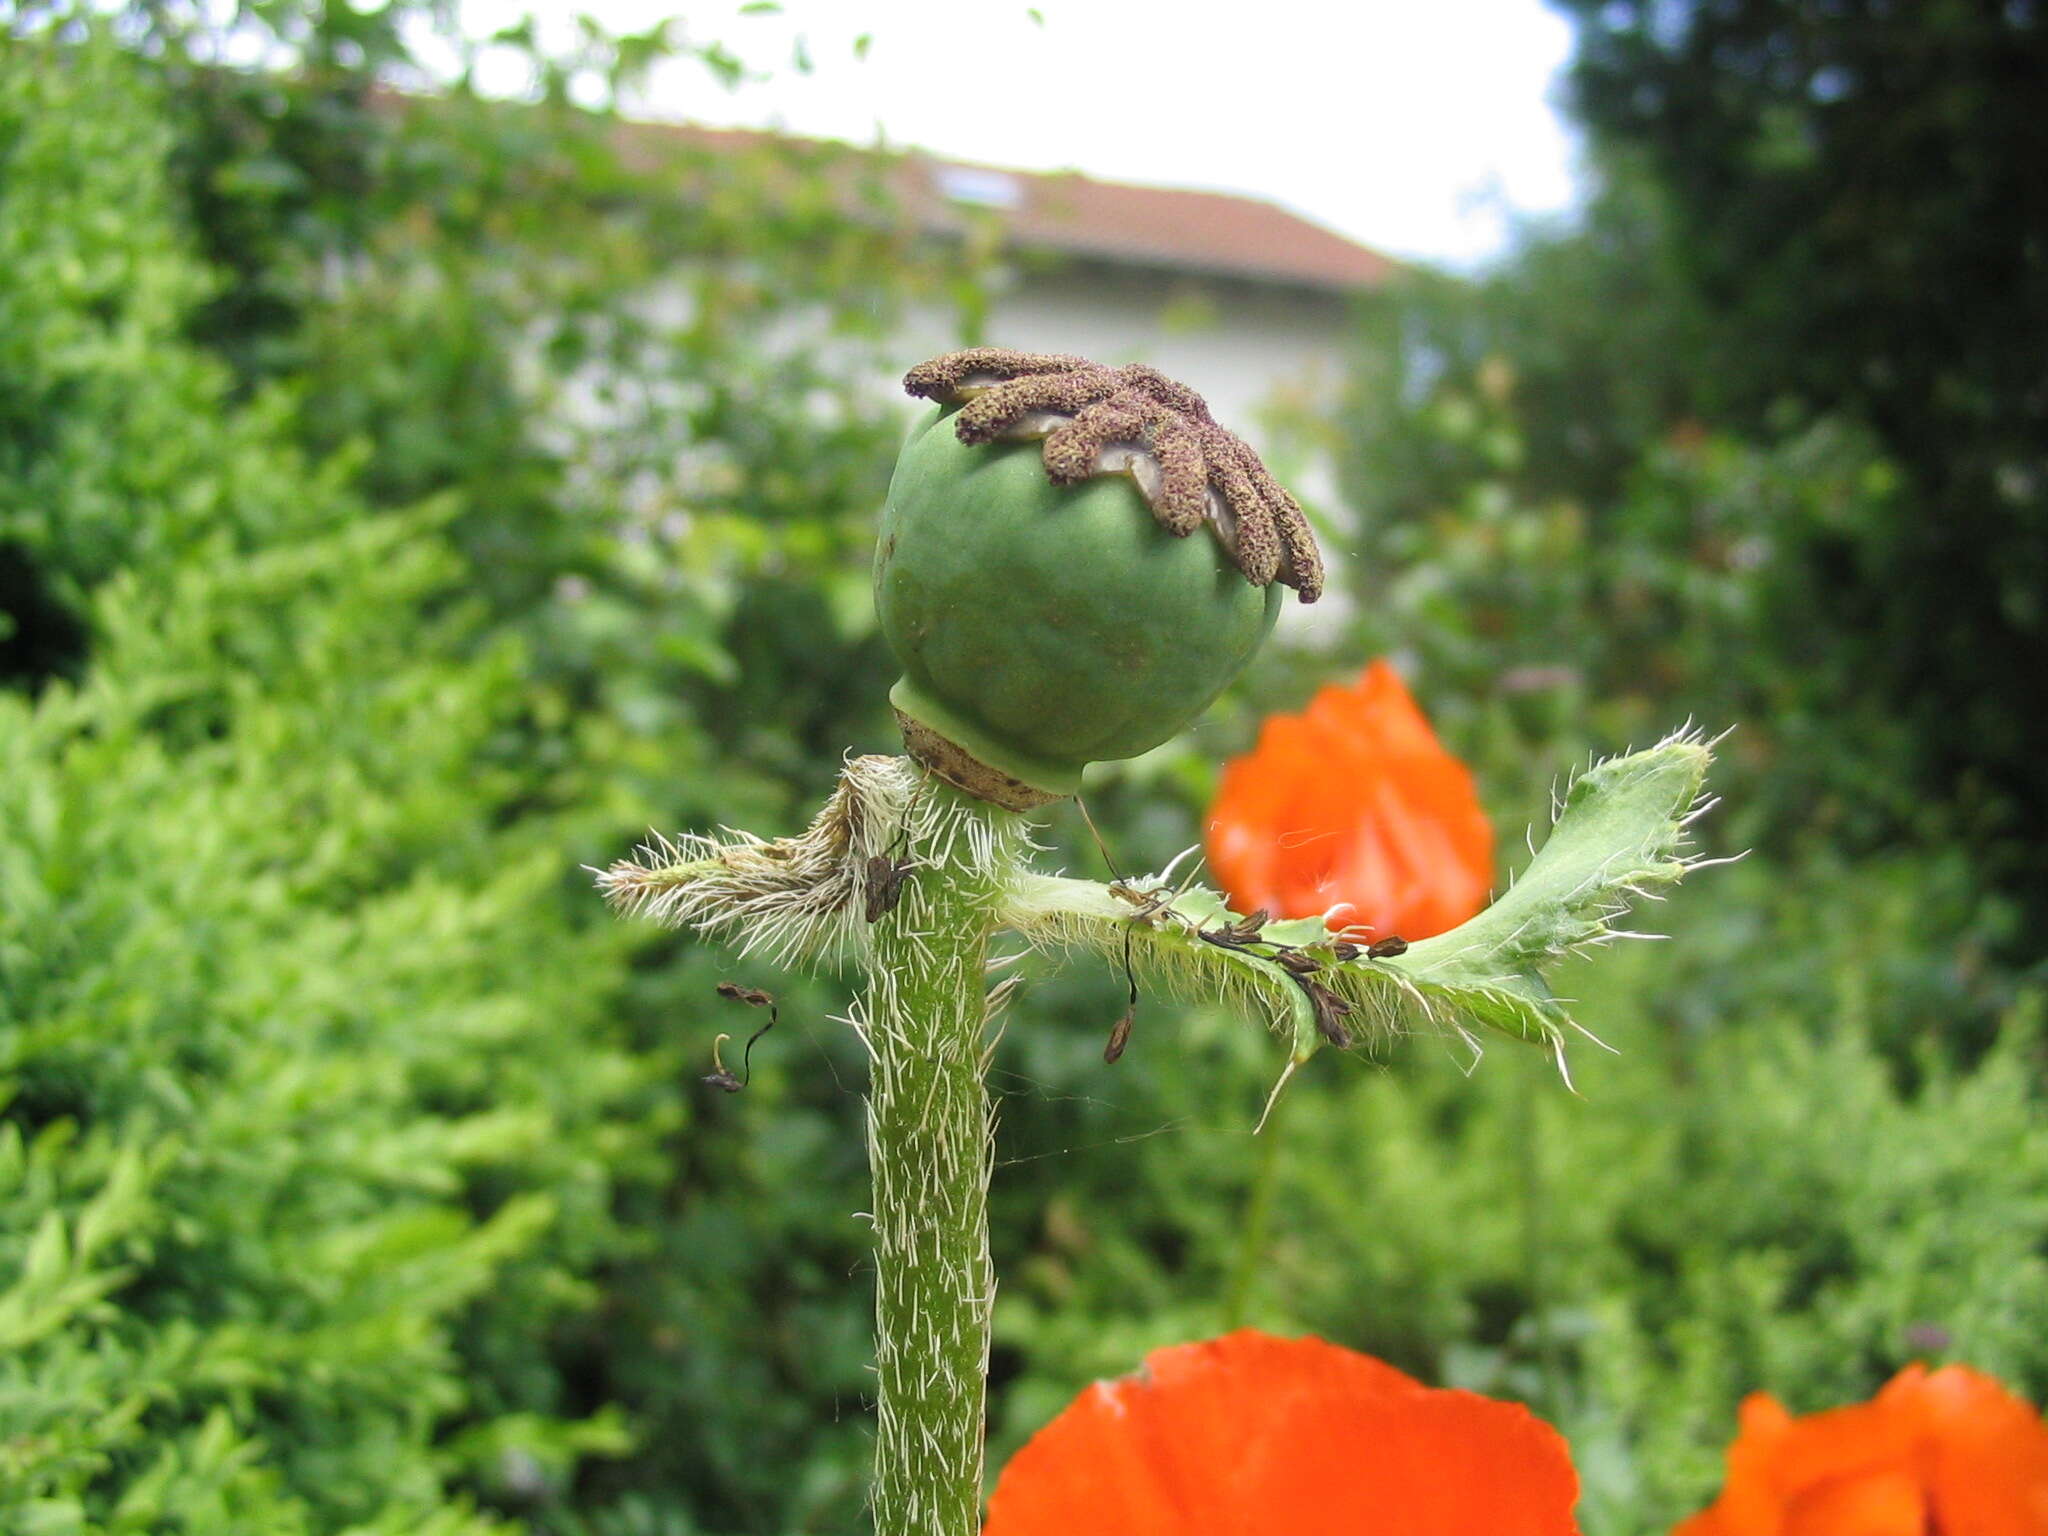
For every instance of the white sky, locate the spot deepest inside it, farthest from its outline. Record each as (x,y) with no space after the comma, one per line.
(1419,127)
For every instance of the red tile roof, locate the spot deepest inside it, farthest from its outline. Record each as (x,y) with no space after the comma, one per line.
(1064,212)
(1171,227)
(1071,214)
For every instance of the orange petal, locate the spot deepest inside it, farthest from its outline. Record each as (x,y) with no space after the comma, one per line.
(1988,1456)
(1885,1503)
(1714,1522)
(1248,840)
(1250,1435)
(1862,1440)
(1353,801)
(1949,1451)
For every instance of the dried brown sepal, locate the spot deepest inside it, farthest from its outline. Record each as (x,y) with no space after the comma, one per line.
(1385,949)
(1119,1036)
(882,885)
(720,1076)
(1098,420)
(960,768)
(1246,929)
(1330,1010)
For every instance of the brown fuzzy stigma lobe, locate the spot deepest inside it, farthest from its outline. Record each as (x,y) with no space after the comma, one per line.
(1098,420)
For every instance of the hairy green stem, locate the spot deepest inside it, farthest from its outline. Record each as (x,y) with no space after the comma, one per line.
(1258,1215)
(929,1150)
(1536,1239)
(913,877)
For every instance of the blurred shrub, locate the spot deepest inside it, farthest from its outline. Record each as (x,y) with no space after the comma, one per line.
(1855,209)
(309,1096)
(351,1186)
(1572,557)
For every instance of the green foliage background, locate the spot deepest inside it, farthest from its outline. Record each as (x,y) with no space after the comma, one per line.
(374,554)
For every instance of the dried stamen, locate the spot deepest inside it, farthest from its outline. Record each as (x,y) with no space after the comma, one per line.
(720,1076)
(1329,1010)
(1098,420)
(882,885)
(1120,1032)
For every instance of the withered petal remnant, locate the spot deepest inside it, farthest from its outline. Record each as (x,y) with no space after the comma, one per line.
(1098,420)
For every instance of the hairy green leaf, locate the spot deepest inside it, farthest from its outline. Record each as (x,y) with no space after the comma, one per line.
(1619,835)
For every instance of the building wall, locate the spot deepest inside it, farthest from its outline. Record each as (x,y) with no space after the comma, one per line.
(1240,344)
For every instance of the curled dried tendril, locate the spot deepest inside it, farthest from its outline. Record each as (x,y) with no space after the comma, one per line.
(1098,420)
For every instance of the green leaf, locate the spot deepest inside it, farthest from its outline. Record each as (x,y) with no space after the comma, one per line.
(1620,833)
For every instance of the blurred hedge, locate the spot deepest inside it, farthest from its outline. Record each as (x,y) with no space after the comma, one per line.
(345,1183)
(311,1100)
(1851,196)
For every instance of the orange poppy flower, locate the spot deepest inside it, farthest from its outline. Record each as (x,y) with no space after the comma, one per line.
(1949,1451)
(1353,805)
(1249,1435)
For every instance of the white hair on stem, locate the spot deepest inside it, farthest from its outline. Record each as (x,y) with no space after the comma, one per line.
(803,900)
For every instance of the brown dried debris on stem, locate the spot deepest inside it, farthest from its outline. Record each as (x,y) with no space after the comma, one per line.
(1098,420)
(798,898)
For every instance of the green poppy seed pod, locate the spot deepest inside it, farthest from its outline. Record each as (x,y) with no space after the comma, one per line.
(1074,561)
